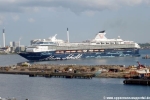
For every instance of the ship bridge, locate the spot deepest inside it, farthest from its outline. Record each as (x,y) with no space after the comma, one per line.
(100,38)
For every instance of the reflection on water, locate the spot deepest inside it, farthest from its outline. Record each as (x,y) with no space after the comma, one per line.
(40,88)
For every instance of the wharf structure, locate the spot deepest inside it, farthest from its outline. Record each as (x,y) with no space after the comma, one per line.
(72,71)
(139,75)
(61,70)
(140,71)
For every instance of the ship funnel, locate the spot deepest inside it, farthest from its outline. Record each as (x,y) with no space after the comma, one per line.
(102,31)
(100,36)
(4,37)
(67,35)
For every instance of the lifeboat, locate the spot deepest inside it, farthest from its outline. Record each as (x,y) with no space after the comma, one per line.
(57,51)
(84,50)
(67,51)
(96,50)
(90,50)
(61,51)
(73,51)
(102,50)
(79,51)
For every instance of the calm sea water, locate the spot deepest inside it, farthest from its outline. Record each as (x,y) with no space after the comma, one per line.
(40,88)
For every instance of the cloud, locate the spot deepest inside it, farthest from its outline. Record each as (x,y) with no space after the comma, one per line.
(133,2)
(15,17)
(89,13)
(77,6)
(31,9)
(1,22)
(31,20)
(2,18)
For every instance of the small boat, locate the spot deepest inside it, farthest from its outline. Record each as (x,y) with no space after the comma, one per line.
(146,57)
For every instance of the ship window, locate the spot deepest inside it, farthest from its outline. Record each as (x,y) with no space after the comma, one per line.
(116,42)
(45,43)
(52,43)
(40,43)
(112,43)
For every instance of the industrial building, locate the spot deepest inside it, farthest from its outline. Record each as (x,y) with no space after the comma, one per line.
(13,47)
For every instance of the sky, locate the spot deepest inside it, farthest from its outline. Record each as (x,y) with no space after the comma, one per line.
(38,19)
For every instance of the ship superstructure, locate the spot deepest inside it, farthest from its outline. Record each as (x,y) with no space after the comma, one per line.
(99,47)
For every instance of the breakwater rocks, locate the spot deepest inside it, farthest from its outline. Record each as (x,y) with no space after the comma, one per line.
(101,71)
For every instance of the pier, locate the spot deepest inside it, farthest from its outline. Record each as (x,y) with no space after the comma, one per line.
(75,71)
(51,74)
(137,81)
(65,71)
(63,75)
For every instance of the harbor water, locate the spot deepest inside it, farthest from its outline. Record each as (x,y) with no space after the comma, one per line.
(39,88)
(6,60)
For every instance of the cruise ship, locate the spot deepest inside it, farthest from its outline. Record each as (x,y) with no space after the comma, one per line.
(99,47)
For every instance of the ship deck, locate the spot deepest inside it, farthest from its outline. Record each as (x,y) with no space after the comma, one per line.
(87,47)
